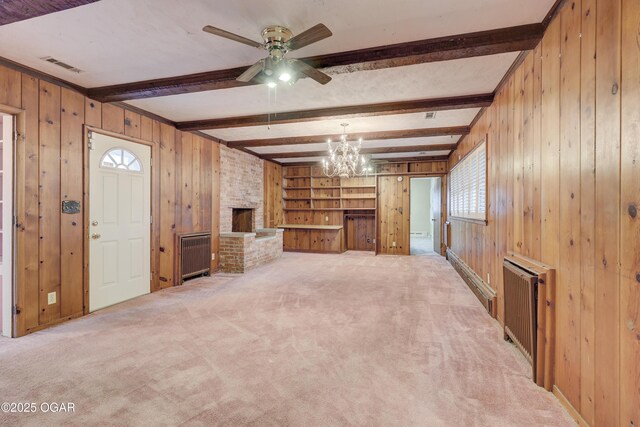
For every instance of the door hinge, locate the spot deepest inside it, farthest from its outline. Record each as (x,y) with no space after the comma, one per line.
(90,144)
(151,220)
(16,310)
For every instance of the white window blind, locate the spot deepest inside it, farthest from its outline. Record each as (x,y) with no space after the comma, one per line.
(468,186)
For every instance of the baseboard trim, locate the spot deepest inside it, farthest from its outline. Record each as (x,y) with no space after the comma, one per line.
(52,323)
(569,407)
(485,294)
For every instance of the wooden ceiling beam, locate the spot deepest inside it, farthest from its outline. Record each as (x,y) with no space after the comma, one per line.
(365,151)
(380,161)
(411,159)
(491,42)
(368,110)
(20,10)
(369,136)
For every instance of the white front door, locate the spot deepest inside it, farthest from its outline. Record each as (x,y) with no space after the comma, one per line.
(119,220)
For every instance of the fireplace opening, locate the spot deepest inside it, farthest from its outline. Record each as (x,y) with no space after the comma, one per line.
(242,220)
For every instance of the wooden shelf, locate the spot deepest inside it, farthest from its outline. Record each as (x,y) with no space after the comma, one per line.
(326,198)
(297,177)
(329,209)
(296,188)
(358,186)
(311,227)
(358,196)
(297,198)
(326,188)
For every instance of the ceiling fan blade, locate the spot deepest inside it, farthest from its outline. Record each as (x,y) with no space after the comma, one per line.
(251,72)
(309,71)
(312,35)
(227,35)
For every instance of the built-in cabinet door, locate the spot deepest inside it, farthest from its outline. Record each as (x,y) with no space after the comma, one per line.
(119,221)
(360,233)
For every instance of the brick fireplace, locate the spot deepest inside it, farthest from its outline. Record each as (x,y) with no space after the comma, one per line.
(244,244)
(240,188)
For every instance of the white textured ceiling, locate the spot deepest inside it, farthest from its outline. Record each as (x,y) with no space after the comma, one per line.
(356,124)
(118,41)
(408,142)
(469,76)
(122,41)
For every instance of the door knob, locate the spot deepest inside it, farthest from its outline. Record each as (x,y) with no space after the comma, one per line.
(94,223)
(95,236)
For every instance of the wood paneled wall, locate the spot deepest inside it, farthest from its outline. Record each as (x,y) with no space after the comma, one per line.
(273,213)
(49,169)
(564,188)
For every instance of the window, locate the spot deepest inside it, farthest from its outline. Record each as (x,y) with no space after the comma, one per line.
(119,158)
(468,186)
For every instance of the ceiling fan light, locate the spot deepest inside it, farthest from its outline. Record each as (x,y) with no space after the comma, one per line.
(285,77)
(272,84)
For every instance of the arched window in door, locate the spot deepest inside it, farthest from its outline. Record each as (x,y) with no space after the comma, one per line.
(119,158)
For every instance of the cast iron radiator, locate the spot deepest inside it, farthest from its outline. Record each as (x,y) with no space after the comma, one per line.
(194,250)
(520,310)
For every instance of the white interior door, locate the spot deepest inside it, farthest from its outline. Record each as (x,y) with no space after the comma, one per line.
(436,213)
(119,221)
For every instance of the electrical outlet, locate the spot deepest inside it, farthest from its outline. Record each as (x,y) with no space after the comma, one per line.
(51,298)
(326,218)
(488,278)
(213,257)
(393,244)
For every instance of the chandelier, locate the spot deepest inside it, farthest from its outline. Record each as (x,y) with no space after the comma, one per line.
(344,159)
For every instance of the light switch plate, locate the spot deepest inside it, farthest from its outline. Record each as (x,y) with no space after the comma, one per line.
(51,298)
(213,257)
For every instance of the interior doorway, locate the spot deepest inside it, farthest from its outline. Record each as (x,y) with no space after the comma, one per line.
(7,125)
(119,220)
(425,216)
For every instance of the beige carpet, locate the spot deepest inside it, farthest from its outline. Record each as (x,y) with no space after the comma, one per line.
(307,340)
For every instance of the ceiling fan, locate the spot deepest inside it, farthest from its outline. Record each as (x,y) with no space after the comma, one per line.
(275,67)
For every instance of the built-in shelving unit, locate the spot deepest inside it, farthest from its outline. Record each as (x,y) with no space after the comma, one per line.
(319,211)
(305,189)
